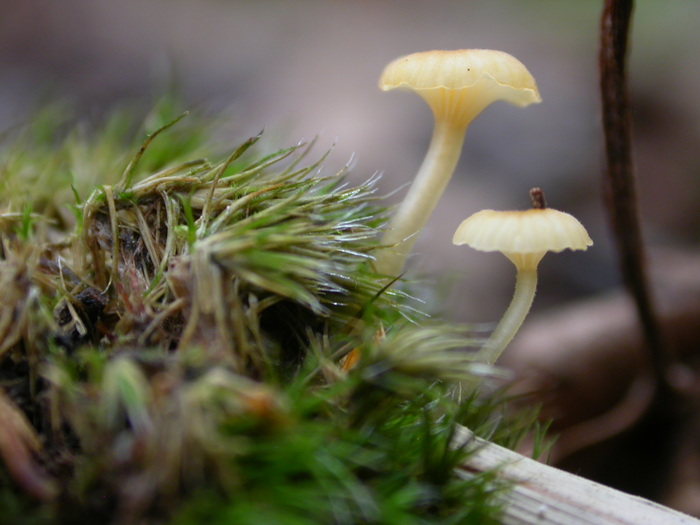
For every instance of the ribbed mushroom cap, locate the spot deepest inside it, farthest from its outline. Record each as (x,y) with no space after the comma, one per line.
(451,79)
(516,233)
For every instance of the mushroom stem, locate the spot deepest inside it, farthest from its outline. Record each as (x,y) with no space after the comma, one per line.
(525,286)
(427,188)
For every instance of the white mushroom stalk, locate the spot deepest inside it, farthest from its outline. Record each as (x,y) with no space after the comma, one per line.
(458,86)
(524,237)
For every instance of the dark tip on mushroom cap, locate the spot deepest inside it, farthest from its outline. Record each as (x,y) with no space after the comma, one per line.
(537,198)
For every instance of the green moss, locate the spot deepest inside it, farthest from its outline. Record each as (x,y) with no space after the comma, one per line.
(186,340)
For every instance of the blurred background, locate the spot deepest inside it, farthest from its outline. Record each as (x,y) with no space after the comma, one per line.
(300,68)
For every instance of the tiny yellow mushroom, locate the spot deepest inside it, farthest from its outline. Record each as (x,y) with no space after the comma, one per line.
(457,85)
(524,237)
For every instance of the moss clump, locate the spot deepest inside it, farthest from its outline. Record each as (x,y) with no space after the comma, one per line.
(185,341)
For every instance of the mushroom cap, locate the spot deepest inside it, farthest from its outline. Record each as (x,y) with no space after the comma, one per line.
(485,74)
(522,232)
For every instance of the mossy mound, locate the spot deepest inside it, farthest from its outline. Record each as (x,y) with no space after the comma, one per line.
(187,341)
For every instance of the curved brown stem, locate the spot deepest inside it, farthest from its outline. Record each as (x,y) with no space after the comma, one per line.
(619,180)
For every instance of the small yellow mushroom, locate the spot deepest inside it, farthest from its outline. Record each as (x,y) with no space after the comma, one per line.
(524,237)
(457,85)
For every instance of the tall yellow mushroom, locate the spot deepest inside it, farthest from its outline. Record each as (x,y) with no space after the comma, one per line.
(457,85)
(524,237)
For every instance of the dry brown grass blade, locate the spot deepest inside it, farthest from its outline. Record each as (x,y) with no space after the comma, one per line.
(18,445)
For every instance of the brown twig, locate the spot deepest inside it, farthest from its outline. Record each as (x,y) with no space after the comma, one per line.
(620,190)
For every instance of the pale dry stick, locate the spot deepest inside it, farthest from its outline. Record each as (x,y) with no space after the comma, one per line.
(545,495)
